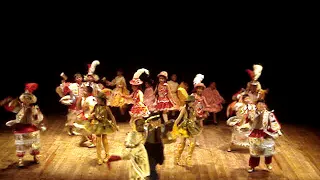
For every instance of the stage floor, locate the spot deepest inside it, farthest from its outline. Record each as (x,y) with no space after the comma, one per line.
(62,158)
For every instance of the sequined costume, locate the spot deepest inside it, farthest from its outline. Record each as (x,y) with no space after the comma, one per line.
(28,123)
(265,128)
(189,128)
(101,122)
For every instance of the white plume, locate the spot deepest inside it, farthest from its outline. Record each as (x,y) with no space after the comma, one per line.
(93,66)
(138,73)
(257,69)
(198,79)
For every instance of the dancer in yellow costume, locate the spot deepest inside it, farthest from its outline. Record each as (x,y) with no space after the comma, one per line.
(116,99)
(101,122)
(188,129)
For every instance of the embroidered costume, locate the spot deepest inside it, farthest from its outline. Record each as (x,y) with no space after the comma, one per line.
(28,123)
(265,128)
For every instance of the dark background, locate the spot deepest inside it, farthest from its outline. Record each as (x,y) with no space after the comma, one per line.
(225,65)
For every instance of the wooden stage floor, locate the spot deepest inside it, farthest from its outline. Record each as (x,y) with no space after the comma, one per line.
(298,157)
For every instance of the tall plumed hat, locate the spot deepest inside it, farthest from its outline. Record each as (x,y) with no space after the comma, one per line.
(197,81)
(136,76)
(27,96)
(92,69)
(255,74)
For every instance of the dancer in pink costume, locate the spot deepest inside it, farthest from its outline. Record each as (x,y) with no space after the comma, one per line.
(214,99)
(164,100)
(149,97)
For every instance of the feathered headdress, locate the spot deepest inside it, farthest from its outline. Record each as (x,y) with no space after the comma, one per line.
(136,76)
(257,69)
(197,81)
(92,67)
(27,96)
(30,87)
(255,73)
(254,76)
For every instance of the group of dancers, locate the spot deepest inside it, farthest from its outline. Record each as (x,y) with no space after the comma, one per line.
(164,111)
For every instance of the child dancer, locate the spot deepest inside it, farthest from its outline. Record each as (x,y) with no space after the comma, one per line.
(116,100)
(153,131)
(149,97)
(214,99)
(73,90)
(137,154)
(87,103)
(164,101)
(173,84)
(188,129)
(101,122)
(28,123)
(265,128)
(241,122)
(139,109)
(201,103)
(91,78)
